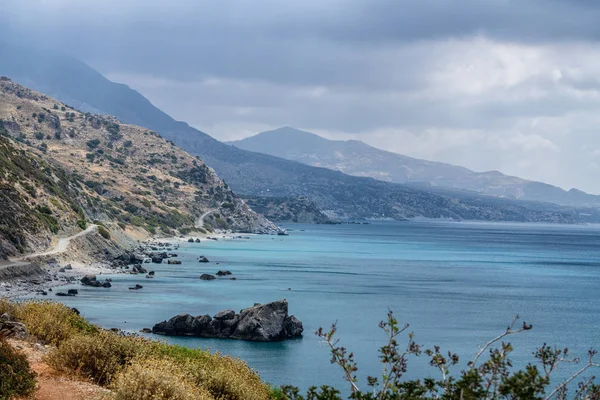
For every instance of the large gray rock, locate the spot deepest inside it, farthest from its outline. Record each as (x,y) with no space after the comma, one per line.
(225,314)
(264,323)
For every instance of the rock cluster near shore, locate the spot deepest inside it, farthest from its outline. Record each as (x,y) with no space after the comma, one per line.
(264,322)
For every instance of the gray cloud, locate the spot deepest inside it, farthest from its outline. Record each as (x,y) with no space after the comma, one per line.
(489,84)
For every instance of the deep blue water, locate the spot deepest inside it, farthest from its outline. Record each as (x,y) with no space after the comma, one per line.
(457,284)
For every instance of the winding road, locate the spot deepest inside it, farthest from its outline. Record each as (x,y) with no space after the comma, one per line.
(61,246)
(200,221)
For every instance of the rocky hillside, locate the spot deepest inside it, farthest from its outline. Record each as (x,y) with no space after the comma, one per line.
(290,209)
(61,169)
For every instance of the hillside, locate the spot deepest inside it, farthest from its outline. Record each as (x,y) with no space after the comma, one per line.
(254,174)
(61,169)
(357,158)
(281,209)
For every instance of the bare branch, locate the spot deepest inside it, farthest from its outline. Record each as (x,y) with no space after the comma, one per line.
(509,331)
(590,364)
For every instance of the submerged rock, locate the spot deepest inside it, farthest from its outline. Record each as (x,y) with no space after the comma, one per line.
(63,294)
(136,287)
(263,322)
(223,273)
(175,262)
(207,277)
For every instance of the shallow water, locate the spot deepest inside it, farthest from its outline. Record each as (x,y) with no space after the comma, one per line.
(457,284)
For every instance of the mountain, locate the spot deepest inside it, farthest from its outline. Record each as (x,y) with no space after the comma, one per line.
(357,158)
(254,174)
(61,169)
(295,209)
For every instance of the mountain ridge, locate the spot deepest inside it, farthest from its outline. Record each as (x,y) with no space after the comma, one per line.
(254,174)
(360,159)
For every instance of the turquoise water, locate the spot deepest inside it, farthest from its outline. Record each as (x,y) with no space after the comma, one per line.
(457,284)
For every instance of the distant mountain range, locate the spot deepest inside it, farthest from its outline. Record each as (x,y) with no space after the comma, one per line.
(357,158)
(254,174)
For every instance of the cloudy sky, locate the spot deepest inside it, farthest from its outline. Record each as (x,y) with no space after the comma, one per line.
(488,84)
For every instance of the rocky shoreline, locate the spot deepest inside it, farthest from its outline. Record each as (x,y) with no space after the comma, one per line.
(39,275)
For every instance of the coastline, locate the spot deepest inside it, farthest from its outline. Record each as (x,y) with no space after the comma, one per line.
(56,268)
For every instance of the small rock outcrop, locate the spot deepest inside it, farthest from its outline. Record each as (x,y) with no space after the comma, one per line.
(174,262)
(90,280)
(11,329)
(136,287)
(207,277)
(138,269)
(203,259)
(223,273)
(264,323)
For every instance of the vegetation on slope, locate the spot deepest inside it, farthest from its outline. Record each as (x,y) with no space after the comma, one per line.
(16,377)
(288,209)
(38,198)
(69,168)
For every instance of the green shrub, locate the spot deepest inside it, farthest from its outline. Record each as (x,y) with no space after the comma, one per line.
(39,136)
(104,232)
(82,223)
(92,144)
(44,209)
(16,377)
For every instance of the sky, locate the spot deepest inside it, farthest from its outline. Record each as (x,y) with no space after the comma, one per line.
(509,85)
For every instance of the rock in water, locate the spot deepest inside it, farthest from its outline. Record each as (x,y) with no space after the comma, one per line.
(263,323)
(136,287)
(223,273)
(90,280)
(207,277)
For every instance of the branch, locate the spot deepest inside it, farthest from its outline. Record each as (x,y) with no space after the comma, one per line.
(590,364)
(509,331)
(338,355)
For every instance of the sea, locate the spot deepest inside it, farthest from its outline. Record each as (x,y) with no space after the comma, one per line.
(456,284)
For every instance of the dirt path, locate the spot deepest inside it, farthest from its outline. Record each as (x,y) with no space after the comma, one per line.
(200,221)
(61,246)
(52,385)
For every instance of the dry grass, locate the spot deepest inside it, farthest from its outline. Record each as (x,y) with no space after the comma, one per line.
(99,357)
(119,361)
(49,322)
(156,379)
